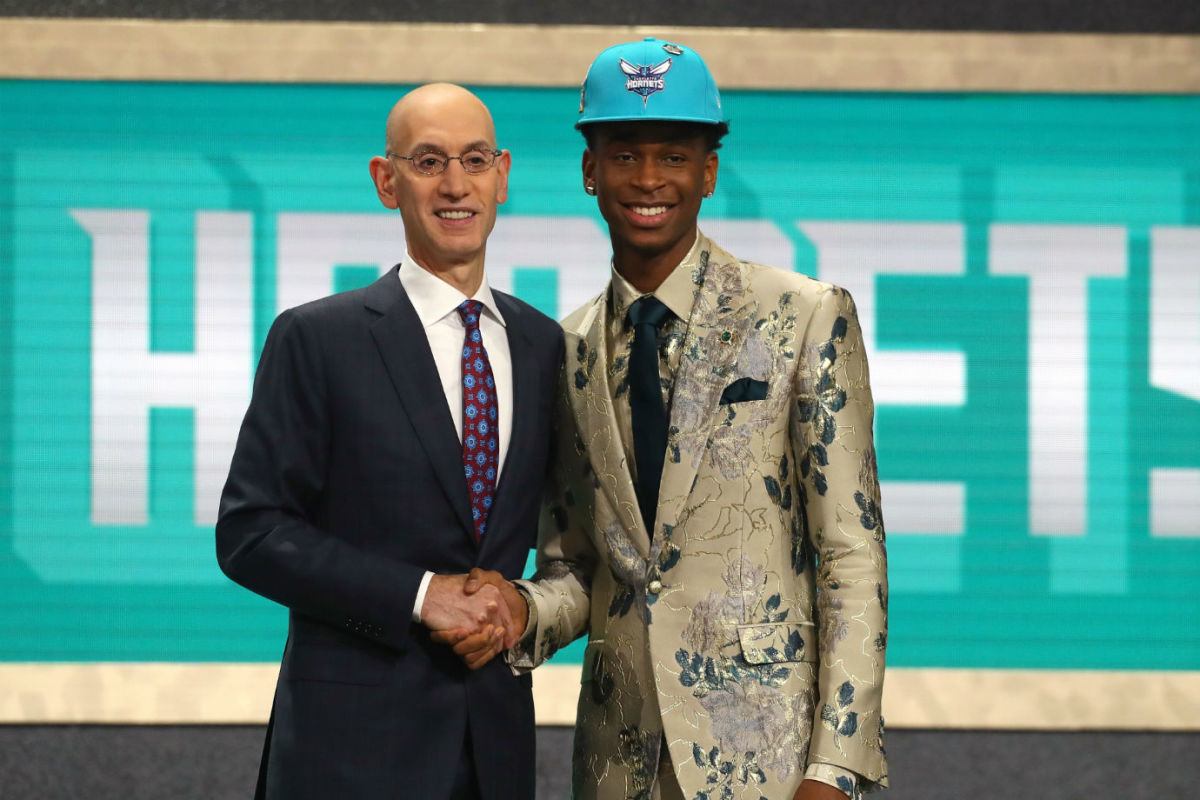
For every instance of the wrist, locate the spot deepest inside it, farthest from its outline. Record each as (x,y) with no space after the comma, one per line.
(522,612)
(422,593)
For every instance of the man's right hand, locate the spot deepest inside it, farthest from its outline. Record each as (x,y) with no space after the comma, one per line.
(479,579)
(448,607)
(479,647)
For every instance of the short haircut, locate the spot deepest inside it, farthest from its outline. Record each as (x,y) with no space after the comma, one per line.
(712,134)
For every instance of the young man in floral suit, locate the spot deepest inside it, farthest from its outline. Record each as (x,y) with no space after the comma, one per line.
(716,526)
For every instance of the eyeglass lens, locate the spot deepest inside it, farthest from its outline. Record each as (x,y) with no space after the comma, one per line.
(473,162)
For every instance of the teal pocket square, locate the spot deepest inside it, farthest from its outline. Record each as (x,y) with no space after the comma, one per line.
(744,389)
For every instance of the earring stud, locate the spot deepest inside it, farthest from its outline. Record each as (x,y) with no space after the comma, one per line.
(708,194)
(590,189)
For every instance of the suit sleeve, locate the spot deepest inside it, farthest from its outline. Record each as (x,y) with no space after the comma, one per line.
(559,593)
(266,534)
(831,428)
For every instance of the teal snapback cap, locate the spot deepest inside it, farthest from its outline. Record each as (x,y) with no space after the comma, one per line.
(649,80)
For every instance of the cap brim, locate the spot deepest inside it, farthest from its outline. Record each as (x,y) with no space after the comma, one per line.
(650,118)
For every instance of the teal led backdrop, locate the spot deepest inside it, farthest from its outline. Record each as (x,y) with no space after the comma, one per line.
(1027,271)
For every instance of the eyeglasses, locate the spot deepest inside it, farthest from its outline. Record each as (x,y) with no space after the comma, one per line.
(474,162)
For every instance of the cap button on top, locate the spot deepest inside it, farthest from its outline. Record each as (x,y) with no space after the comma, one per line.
(654,587)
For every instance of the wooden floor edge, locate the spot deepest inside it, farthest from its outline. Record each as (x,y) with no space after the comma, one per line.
(551,56)
(985,699)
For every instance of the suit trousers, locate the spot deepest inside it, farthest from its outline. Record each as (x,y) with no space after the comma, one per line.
(466,781)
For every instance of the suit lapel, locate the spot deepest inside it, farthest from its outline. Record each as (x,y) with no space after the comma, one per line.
(587,389)
(717,329)
(404,347)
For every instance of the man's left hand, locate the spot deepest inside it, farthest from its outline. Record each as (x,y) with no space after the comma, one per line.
(815,790)
(475,649)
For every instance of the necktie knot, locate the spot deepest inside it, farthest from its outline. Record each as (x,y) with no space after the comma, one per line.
(469,311)
(648,310)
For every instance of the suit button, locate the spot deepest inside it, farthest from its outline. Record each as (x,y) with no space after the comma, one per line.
(654,587)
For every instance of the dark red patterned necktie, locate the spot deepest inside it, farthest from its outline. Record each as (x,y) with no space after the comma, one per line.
(480,441)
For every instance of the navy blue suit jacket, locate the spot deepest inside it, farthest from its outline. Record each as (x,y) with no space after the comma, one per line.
(345,487)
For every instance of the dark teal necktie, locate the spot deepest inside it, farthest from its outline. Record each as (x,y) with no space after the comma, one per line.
(646,403)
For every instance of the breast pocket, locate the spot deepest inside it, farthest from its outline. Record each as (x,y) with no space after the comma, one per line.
(744,390)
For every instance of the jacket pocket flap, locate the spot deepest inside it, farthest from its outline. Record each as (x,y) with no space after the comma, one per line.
(774,642)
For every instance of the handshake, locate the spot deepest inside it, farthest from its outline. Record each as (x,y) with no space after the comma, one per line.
(478,614)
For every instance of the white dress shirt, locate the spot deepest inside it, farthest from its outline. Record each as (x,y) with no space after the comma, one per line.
(436,303)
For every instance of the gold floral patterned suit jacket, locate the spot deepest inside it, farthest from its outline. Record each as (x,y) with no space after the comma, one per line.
(748,630)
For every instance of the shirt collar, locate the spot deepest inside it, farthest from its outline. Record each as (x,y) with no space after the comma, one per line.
(677,292)
(434,299)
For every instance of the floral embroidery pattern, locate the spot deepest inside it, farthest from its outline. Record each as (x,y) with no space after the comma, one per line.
(782,497)
(638,751)
(840,719)
(629,569)
(819,409)
(870,517)
(756,720)
(586,357)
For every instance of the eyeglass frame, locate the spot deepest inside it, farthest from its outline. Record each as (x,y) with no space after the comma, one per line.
(412,160)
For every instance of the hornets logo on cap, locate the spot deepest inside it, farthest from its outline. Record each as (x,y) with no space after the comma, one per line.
(625,72)
(645,80)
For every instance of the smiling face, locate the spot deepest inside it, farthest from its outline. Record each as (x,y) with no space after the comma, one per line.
(649,178)
(447,217)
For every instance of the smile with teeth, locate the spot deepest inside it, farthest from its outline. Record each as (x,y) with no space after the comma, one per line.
(648,211)
(455,214)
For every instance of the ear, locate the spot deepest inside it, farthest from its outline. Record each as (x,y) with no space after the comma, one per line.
(710,173)
(384,178)
(503,165)
(589,169)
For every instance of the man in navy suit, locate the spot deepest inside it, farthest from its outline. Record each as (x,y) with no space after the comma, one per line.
(397,437)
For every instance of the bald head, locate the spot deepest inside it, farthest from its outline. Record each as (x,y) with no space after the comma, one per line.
(448,215)
(428,107)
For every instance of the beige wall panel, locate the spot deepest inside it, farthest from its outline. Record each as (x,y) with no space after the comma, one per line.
(914,698)
(532,55)
(136,693)
(1042,699)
